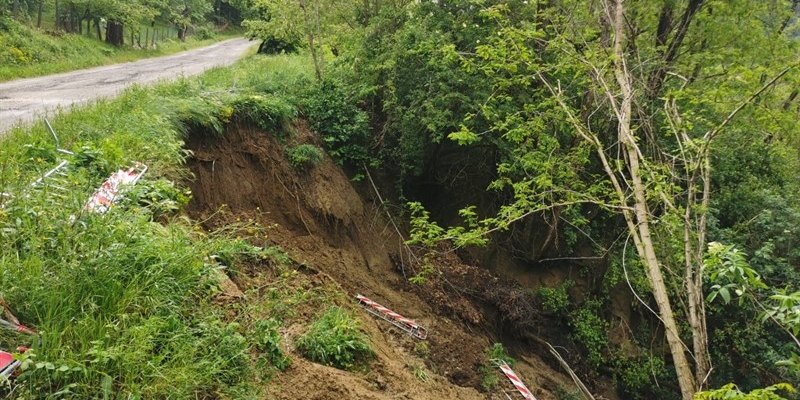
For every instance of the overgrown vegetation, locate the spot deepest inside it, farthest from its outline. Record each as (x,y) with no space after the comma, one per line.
(579,171)
(123,300)
(623,138)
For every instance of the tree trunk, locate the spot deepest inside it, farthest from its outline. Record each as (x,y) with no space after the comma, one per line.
(57,10)
(310,32)
(39,15)
(71,19)
(114,34)
(693,259)
(639,222)
(319,39)
(15,9)
(97,28)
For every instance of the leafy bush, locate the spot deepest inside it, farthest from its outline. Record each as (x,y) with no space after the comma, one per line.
(334,339)
(268,342)
(731,392)
(275,45)
(589,329)
(636,376)
(554,300)
(160,197)
(98,161)
(304,156)
(344,128)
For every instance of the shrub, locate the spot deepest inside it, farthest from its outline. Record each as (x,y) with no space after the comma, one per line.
(636,376)
(334,340)
(343,126)
(268,342)
(589,330)
(304,156)
(554,300)
(160,197)
(275,45)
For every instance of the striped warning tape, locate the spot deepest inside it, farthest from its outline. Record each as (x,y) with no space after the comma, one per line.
(392,317)
(13,322)
(102,198)
(512,376)
(8,365)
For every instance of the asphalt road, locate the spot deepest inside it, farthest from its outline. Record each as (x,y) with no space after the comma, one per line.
(25,100)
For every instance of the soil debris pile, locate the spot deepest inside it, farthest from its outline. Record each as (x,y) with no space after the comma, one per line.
(318,218)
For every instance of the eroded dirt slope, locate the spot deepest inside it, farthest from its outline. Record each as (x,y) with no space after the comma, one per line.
(319,219)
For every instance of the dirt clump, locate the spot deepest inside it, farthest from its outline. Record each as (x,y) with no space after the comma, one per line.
(319,219)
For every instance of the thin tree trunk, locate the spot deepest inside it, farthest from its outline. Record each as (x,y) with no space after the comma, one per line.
(71,19)
(39,15)
(693,255)
(97,27)
(319,39)
(640,225)
(57,10)
(15,9)
(310,32)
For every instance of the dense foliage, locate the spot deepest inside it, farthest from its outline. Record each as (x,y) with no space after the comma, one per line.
(431,74)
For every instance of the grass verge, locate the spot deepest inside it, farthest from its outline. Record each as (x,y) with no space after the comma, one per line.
(26,52)
(123,301)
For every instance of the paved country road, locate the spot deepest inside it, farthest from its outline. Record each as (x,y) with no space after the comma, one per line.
(27,99)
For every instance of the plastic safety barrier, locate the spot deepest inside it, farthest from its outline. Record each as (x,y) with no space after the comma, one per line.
(8,365)
(392,317)
(512,376)
(102,198)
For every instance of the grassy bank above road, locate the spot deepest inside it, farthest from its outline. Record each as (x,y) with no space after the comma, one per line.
(26,52)
(123,301)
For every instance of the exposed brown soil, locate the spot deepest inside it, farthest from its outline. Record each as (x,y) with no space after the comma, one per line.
(319,218)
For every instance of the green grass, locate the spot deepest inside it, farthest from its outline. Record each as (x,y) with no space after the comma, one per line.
(304,156)
(123,301)
(26,52)
(335,339)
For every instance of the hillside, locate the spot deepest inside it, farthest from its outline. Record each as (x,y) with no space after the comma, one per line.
(338,236)
(611,186)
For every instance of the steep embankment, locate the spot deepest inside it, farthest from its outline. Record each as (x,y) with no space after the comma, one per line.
(319,218)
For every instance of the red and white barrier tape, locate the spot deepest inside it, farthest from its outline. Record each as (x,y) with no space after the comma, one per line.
(102,198)
(8,365)
(392,317)
(13,322)
(512,376)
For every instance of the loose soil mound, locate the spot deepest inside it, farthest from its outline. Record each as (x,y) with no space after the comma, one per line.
(320,220)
